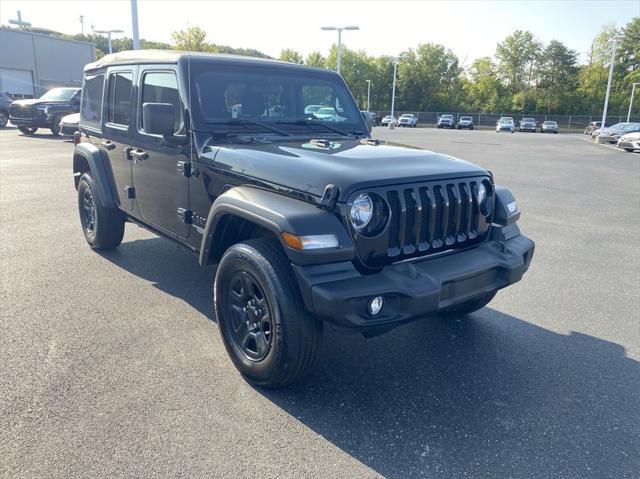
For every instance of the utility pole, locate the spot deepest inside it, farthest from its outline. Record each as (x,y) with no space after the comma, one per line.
(615,40)
(633,89)
(108,33)
(134,24)
(82,24)
(339,30)
(369,95)
(393,89)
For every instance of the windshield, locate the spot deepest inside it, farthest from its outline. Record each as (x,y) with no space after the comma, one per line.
(59,94)
(550,123)
(465,118)
(286,98)
(528,119)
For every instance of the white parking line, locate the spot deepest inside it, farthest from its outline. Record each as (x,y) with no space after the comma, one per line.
(601,144)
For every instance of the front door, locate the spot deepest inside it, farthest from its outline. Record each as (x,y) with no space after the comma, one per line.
(161,192)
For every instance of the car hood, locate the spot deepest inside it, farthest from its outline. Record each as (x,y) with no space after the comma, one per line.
(348,164)
(73,118)
(37,101)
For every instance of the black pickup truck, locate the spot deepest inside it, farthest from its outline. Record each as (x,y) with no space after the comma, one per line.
(46,111)
(308,220)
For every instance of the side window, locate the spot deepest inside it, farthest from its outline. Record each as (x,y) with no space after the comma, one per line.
(119,103)
(91,107)
(162,87)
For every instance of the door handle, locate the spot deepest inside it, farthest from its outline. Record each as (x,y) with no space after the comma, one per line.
(139,155)
(107,145)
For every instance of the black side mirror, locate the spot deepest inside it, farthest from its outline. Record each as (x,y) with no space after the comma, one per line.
(157,118)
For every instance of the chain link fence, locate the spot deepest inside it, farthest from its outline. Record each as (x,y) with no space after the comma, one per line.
(566,123)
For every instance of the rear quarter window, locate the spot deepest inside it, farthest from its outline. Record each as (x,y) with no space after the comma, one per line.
(91,105)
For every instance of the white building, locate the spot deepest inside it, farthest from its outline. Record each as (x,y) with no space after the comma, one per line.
(32,63)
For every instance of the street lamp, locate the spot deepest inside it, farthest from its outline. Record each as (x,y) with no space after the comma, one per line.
(108,34)
(615,39)
(369,95)
(633,89)
(393,89)
(339,29)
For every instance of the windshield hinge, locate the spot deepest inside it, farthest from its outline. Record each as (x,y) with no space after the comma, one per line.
(330,197)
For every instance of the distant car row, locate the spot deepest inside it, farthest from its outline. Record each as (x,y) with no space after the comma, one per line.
(506,123)
(58,110)
(625,135)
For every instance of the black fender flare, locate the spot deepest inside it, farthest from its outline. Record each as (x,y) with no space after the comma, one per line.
(502,215)
(278,214)
(99,167)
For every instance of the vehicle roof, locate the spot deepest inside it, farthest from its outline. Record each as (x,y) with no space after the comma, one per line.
(130,57)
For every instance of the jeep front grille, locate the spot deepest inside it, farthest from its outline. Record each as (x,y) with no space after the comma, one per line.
(427,218)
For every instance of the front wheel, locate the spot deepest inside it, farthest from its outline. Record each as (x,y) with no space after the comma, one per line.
(28,130)
(4,119)
(265,328)
(103,228)
(468,307)
(55,126)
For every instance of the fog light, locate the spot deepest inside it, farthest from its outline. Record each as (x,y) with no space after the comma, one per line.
(375,305)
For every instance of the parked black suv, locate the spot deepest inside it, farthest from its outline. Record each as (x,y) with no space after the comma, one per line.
(308,220)
(46,111)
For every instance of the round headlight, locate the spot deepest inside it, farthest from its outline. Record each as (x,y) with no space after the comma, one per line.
(361,211)
(482,193)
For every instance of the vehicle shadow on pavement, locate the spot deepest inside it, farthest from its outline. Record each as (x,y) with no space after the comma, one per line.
(490,395)
(169,267)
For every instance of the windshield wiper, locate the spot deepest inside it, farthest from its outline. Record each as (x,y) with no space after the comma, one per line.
(243,122)
(306,122)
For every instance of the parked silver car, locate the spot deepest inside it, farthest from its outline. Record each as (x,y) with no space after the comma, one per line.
(505,124)
(549,127)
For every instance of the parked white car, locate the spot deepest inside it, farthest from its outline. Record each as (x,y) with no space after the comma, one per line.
(408,119)
(505,124)
(630,142)
(388,119)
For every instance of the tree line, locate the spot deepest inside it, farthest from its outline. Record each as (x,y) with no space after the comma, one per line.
(523,76)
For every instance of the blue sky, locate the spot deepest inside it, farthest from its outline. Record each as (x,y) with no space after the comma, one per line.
(470,28)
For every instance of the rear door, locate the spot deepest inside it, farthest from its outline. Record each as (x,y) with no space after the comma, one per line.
(161,192)
(117,130)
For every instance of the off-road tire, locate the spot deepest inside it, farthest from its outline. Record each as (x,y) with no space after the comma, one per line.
(468,307)
(55,126)
(28,130)
(295,335)
(107,229)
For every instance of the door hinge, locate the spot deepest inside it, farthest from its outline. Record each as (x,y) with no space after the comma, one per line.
(184,168)
(186,216)
(131,192)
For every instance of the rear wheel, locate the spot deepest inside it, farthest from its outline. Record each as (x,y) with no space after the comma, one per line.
(28,130)
(265,328)
(629,150)
(4,119)
(103,228)
(468,307)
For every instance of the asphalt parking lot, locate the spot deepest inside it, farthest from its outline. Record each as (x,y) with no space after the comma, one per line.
(110,364)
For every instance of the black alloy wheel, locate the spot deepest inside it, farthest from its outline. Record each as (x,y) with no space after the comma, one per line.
(249,316)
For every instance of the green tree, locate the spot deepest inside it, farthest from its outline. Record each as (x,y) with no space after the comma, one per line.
(484,90)
(315,59)
(291,56)
(517,56)
(557,77)
(190,40)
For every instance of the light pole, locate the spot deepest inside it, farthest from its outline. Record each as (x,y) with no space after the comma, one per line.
(339,29)
(369,95)
(633,89)
(393,89)
(615,39)
(108,34)
(134,24)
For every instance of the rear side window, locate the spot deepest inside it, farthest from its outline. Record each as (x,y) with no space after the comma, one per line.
(120,98)
(91,107)
(162,87)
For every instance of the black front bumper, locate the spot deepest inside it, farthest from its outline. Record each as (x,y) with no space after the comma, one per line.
(338,293)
